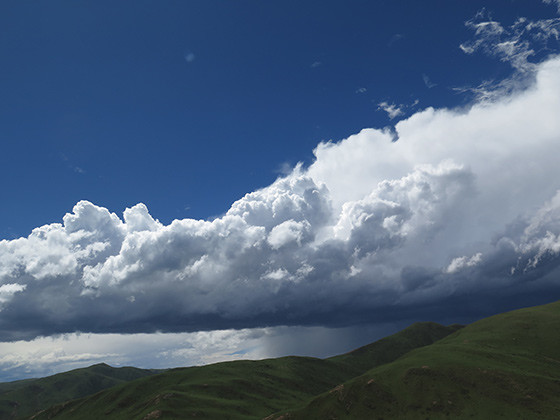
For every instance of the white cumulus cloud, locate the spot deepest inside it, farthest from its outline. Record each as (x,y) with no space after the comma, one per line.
(375,228)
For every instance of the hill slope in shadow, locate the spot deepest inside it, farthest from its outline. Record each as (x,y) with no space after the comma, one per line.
(505,366)
(241,389)
(23,398)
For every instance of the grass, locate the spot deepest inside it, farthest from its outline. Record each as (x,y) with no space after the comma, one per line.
(241,389)
(23,398)
(506,366)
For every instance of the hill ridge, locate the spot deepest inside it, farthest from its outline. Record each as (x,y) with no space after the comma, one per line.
(20,399)
(504,366)
(242,389)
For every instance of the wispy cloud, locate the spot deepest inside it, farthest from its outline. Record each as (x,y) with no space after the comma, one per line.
(392,110)
(190,57)
(506,44)
(552,2)
(429,84)
(515,44)
(71,165)
(395,38)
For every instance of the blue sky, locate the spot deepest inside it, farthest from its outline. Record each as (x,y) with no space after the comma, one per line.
(189,105)
(426,133)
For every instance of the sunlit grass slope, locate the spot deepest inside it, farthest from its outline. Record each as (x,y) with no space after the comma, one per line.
(23,398)
(506,366)
(241,389)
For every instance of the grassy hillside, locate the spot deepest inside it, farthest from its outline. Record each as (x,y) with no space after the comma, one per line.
(23,398)
(241,389)
(388,349)
(506,366)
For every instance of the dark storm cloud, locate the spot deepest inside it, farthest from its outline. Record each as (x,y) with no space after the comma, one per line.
(459,216)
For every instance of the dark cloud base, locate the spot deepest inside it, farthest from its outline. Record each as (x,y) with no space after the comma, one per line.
(457,219)
(535,288)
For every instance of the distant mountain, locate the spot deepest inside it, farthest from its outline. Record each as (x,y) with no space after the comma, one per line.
(506,366)
(241,389)
(21,399)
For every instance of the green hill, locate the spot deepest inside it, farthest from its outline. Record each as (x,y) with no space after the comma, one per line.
(241,389)
(390,348)
(506,366)
(23,398)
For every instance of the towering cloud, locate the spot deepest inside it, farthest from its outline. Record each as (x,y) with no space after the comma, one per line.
(463,204)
